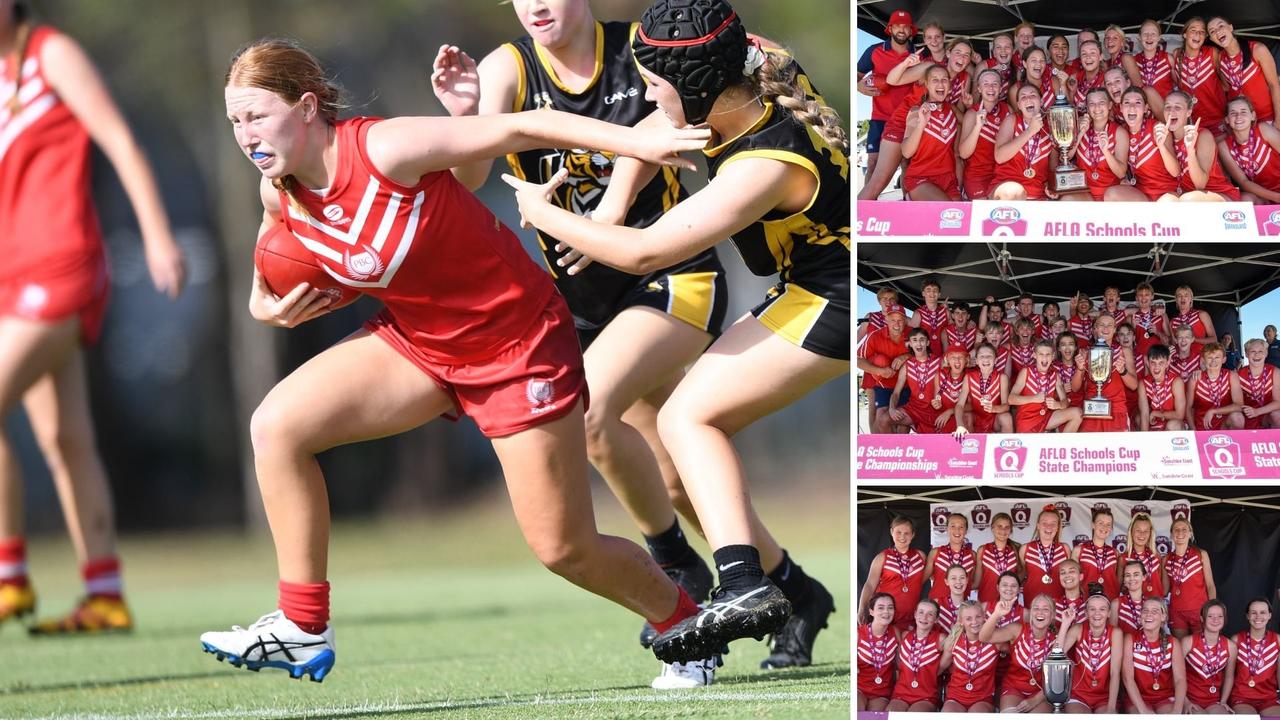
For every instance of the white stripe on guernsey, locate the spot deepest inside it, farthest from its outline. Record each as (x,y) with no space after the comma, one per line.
(320,249)
(406,239)
(30,91)
(24,120)
(362,212)
(388,219)
(13,570)
(107,584)
(334,233)
(596,698)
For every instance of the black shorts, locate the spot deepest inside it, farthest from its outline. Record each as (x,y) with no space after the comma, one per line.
(875,128)
(698,295)
(811,321)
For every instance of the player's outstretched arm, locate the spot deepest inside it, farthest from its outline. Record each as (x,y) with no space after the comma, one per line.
(467,89)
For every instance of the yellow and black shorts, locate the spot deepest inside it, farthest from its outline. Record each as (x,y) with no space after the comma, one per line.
(816,323)
(698,295)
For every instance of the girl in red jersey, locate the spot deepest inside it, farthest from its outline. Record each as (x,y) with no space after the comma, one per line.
(972,686)
(1154,671)
(1215,394)
(1258,388)
(1210,658)
(1250,153)
(1097,558)
(1126,338)
(1089,77)
(1115,40)
(930,143)
(1021,691)
(1189,576)
(1257,672)
(1162,396)
(956,83)
(919,377)
(1126,610)
(1008,587)
(995,558)
(898,572)
(1059,56)
(919,654)
(1042,556)
(1073,596)
(1004,60)
(1116,82)
(977,145)
(951,382)
(1065,364)
(956,594)
(1096,648)
(957,551)
(54,284)
(1039,397)
(1102,146)
(932,317)
(1155,173)
(1023,151)
(1035,64)
(515,368)
(1248,68)
(1152,66)
(1121,378)
(991,336)
(935,41)
(1140,545)
(1185,359)
(1195,72)
(876,651)
(985,396)
(1200,175)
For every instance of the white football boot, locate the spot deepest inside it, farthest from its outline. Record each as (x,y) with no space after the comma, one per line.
(274,641)
(692,674)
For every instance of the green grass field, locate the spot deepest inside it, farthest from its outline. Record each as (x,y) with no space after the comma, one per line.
(440,617)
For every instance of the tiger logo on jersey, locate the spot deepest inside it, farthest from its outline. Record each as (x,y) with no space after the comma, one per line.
(589,173)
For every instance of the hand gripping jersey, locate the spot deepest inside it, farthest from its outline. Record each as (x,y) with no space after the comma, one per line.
(1210,393)
(455,279)
(1186,579)
(1218,181)
(1257,391)
(945,558)
(973,671)
(918,660)
(980,168)
(808,250)
(1159,397)
(1256,158)
(1153,178)
(1153,669)
(1198,76)
(1091,680)
(1042,569)
(902,576)
(1255,682)
(1028,655)
(876,656)
(1206,670)
(994,563)
(1097,172)
(1248,81)
(1098,564)
(616,95)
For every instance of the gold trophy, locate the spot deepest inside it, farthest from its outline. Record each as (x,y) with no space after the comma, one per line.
(1062,125)
(1099,370)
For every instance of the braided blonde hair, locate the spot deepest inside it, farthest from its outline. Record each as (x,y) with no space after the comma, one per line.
(778,80)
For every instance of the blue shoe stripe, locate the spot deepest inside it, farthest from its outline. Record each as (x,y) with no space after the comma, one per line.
(317,667)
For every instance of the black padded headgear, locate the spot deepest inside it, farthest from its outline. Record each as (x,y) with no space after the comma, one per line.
(699,46)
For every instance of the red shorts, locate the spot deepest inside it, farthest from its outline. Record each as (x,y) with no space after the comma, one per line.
(1032,420)
(1257,422)
(983,422)
(945,182)
(975,188)
(80,293)
(534,380)
(922,416)
(1198,691)
(1215,424)
(1188,619)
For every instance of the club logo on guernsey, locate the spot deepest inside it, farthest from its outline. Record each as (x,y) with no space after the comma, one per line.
(540,393)
(364,265)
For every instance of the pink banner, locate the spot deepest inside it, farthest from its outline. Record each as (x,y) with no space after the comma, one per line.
(916,456)
(1240,454)
(1268,219)
(890,217)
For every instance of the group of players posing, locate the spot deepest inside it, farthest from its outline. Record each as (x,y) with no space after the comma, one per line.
(1143,631)
(1031,373)
(1194,124)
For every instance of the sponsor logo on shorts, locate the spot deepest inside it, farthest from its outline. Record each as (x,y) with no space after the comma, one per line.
(541,394)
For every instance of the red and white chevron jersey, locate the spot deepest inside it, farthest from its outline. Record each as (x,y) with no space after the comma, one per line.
(920,377)
(1249,81)
(876,657)
(966,339)
(949,388)
(1198,76)
(945,558)
(902,576)
(1021,356)
(876,320)
(1098,564)
(456,280)
(1153,668)
(1152,586)
(1042,569)
(1185,367)
(994,563)
(1027,655)
(1218,181)
(1192,319)
(1206,670)
(1129,615)
(1060,608)
(1153,179)
(981,166)
(933,321)
(1015,613)
(918,660)
(1210,393)
(1002,363)
(1255,681)
(955,93)
(948,611)
(1256,158)
(1084,85)
(1092,656)
(1186,581)
(48,222)
(1156,71)
(1029,166)
(1082,328)
(973,671)
(935,155)
(1159,397)
(1257,391)
(1098,173)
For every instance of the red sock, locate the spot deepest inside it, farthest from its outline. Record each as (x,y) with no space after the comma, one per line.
(306,604)
(102,577)
(685,607)
(13,562)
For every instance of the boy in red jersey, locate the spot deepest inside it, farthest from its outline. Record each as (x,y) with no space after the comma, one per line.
(1039,397)
(1214,393)
(933,316)
(1162,395)
(919,377)
(1258,388)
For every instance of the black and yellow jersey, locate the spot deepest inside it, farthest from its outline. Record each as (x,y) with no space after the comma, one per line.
(809,248)
(615,94)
